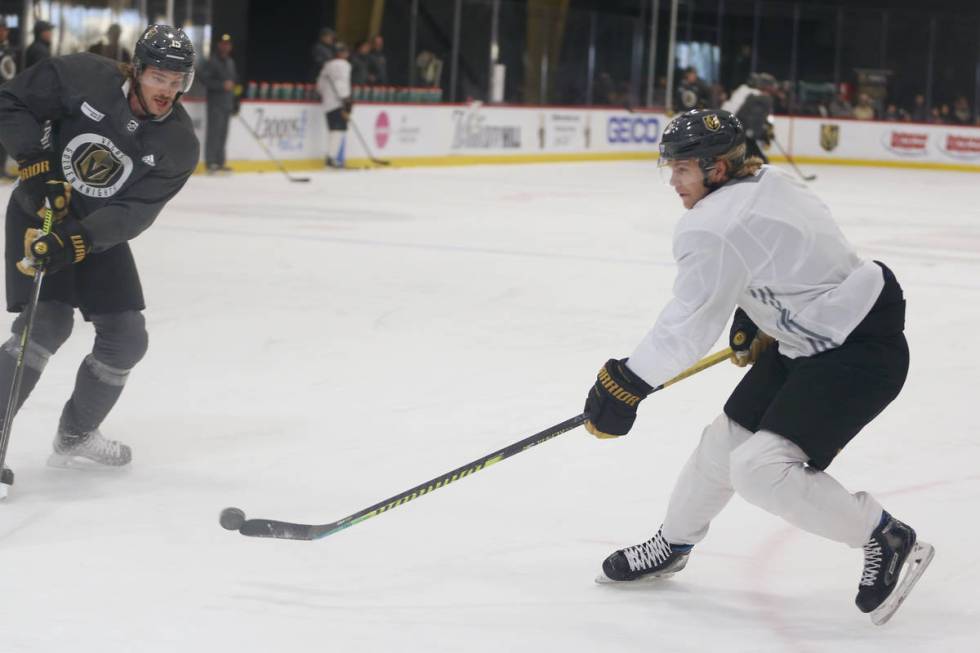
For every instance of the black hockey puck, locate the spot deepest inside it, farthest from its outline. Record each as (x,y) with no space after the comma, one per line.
(232,518)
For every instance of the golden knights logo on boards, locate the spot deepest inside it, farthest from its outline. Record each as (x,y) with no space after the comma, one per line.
(711,122)
(829,136)
(94,166)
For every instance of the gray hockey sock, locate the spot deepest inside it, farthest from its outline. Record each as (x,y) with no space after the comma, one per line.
(97,388)
(34,361)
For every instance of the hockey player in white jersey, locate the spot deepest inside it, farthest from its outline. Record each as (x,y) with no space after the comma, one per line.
(823,330)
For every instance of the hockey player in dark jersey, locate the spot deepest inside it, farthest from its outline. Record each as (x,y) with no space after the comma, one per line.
(106,145)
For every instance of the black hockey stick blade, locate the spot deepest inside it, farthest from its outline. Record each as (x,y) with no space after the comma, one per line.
(303,180)
(276,529)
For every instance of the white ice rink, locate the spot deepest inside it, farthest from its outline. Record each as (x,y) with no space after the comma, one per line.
(315,348)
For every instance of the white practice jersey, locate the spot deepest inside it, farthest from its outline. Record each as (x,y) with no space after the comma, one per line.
(334,84)
(738,98)
(768,244)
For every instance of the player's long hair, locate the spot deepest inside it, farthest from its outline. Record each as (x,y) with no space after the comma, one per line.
(738,164)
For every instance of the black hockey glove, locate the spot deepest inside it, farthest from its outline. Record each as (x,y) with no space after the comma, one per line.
(43,187)
(346,108)
(67,244)
(745,339)
(612,401)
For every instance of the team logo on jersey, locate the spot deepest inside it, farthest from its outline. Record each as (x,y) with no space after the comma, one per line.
(829,137)
(94,166)
(711,122)
(132,126)
(149,160)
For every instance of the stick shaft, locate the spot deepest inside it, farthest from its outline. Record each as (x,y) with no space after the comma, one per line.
(294,531)
(25,336)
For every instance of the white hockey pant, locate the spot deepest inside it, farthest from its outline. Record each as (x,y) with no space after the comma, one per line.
(768,471)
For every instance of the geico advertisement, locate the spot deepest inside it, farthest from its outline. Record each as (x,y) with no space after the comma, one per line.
(633,131)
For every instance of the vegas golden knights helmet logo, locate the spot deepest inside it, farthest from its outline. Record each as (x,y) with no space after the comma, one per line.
(711,122)
(829,136)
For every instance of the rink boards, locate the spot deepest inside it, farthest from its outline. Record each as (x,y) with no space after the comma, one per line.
(461,134)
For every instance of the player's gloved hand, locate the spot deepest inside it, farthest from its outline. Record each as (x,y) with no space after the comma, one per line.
(346,108)
(612,401)
(38,178)
(67,244)
(745,339)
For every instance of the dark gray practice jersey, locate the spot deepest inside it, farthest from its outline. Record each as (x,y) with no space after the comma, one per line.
(123,170)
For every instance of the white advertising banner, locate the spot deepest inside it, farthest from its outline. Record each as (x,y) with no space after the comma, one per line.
(412,134)
(888,143)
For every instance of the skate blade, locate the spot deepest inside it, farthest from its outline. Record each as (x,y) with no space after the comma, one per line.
(68,461)
(916,565)
(4,489)
(602,579)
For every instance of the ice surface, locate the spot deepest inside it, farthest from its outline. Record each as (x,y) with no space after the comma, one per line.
(315,348)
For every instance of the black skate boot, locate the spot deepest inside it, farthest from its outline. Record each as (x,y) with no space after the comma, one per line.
(73,450)
(885,581)
(655,558)
(6,480)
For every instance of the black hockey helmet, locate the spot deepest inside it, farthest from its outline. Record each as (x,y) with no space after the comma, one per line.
(701,134)
(168,48)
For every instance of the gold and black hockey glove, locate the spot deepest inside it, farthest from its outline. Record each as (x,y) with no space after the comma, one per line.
(612,401)
(67,244)
(43,186)
(745,339)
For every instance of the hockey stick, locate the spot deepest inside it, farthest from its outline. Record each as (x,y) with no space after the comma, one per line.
(7,476)
(268,153)
(234,518)
(357,132)
(367,150)
(793,163)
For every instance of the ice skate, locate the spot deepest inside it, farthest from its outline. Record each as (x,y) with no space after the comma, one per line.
(655,558)
(88,450)
(893,562)
(6,480)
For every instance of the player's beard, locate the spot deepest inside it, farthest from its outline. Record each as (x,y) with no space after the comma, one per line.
(159,104)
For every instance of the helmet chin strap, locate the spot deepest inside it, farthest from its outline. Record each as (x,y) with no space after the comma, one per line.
(139,97)
(707,165)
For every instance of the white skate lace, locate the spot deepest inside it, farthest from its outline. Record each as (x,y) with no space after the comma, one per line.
(651,553)
(94,445)
(872,562)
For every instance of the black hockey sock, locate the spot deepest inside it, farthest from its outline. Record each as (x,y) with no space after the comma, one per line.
(97,388)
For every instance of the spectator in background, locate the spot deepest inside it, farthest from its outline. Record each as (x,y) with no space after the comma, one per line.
(110,48)
(219,80)
(839,108)
(429,68)
(961,112)
(945,115)
(379,64)
(919,111)
(323,50)
(360,64)
(334,86)
(864,110)
(692,92)
(8,70)
(40,49)
(894,114)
